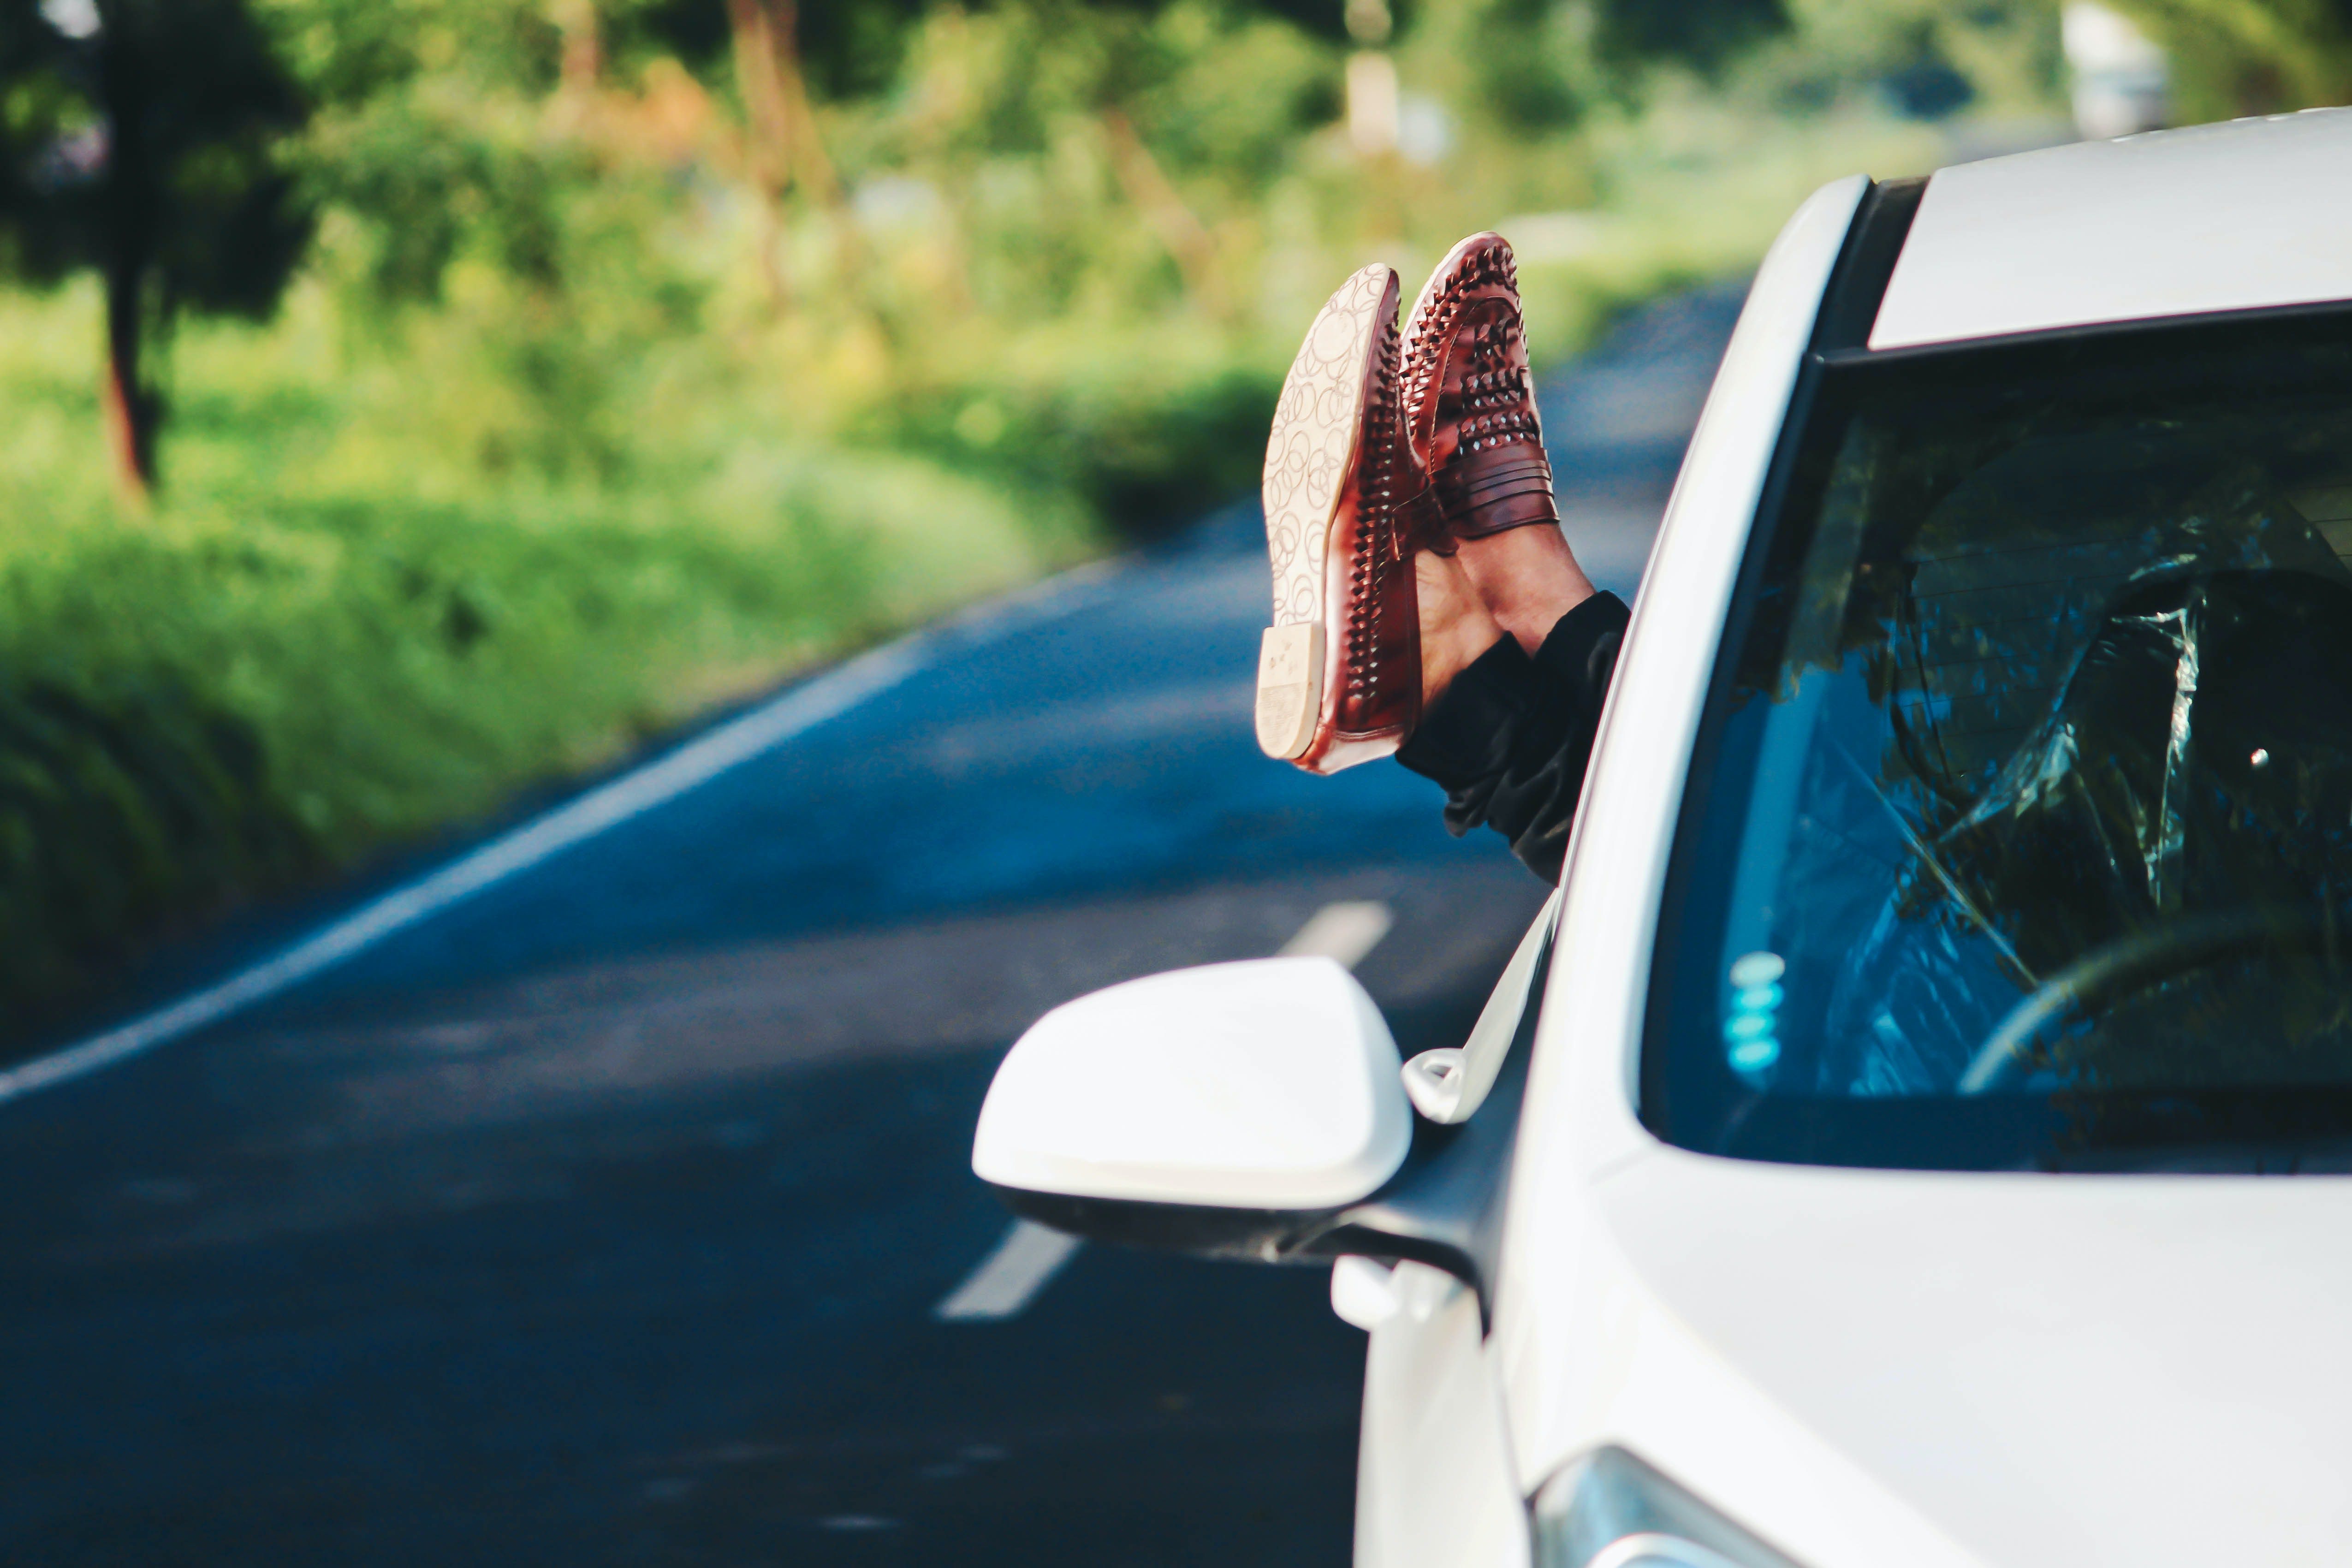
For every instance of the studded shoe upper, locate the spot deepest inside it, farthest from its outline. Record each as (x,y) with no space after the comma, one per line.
(1470,399)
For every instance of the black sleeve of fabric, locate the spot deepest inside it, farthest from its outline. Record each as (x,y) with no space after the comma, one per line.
(1511,739)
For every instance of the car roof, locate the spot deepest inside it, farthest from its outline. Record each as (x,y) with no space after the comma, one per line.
(2242,216)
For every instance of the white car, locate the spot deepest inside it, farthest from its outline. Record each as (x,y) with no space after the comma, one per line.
(1924,1150)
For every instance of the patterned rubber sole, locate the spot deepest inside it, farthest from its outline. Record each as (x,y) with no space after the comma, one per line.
(1317,427)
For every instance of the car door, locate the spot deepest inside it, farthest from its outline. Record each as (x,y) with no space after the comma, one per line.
(1435,1485)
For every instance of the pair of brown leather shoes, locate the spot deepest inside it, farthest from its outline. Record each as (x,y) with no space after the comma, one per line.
(1384,446)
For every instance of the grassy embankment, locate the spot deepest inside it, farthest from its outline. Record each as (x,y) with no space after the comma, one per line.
(340,629)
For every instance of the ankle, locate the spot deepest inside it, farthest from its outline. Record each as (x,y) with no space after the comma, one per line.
(1526,578)
(1455,628)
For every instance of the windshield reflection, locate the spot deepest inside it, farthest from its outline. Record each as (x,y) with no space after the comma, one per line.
(2031,780)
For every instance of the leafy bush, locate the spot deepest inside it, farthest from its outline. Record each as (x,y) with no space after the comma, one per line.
(595,402)
(337,636)
(124,809)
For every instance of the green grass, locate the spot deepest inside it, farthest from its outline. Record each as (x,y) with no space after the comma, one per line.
(335,632)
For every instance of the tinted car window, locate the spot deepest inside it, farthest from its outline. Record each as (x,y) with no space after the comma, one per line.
(2020,832)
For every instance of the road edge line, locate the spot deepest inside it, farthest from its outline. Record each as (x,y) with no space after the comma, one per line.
(781,718)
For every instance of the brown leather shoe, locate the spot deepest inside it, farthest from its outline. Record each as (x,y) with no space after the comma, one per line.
(1339,675)
(1470,399)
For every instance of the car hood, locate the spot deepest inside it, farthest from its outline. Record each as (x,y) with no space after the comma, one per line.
(2052,1369)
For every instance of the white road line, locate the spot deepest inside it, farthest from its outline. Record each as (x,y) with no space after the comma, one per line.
(1345,930)
(697,762)
(1009,1278)
(1027,1259)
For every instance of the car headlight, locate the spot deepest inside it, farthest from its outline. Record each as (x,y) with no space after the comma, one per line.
(1609,1510)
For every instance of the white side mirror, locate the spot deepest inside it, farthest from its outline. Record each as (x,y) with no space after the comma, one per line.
(1264,1086)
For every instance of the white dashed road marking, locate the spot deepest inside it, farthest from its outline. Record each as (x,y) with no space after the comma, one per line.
(1027,1259)
(632,794)
(1346,930)
(1009,1278)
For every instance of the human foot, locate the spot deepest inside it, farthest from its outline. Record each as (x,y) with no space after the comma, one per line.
(1455,628)
(1470,399)
(1338,677)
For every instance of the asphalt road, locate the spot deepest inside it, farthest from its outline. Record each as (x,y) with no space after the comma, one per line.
(604,1215)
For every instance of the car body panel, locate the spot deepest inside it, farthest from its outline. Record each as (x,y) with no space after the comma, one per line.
(1632,1368)
(2044,1366)
(1435,1486)
(2244,215)
(1578,1119)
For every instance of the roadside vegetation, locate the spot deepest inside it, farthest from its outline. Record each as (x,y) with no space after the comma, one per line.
(485,385)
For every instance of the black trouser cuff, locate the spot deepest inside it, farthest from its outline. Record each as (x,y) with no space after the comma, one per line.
(1511,739)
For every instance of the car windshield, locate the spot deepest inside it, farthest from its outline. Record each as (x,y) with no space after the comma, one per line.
(2019,830)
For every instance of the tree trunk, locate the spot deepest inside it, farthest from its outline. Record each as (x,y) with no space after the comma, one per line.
(1178,227)
(784,147)
(131,407)
(768,122)
(767,134)
(129,207)
(583,47)
(810,166)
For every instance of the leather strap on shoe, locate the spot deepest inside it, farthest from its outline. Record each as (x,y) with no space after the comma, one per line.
(1504,488)
(1420,524)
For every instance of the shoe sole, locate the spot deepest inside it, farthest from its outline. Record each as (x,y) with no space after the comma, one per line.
(1318,427)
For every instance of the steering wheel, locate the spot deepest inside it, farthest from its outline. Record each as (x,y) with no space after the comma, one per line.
(2132,963)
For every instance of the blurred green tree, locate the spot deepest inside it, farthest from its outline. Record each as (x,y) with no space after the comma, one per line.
(1706,34)
(2251,57)
(139,139)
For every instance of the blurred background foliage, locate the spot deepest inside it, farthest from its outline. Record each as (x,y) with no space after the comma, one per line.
(403,401)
